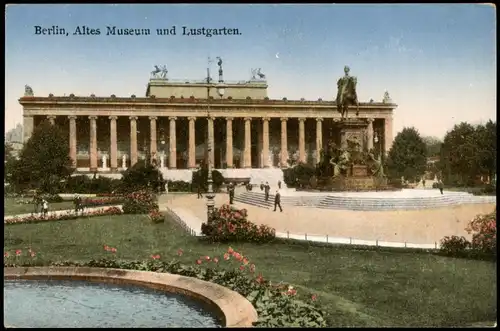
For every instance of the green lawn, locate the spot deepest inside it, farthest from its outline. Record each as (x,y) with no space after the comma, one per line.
(356,287)
(11,207)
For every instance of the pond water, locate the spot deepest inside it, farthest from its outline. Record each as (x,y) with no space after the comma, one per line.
(78,304)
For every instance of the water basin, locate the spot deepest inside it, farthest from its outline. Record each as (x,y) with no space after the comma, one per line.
(76,304)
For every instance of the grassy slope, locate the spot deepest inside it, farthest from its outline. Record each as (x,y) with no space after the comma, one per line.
(357,288)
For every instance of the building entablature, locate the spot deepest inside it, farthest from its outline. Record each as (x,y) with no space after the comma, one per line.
(185,107)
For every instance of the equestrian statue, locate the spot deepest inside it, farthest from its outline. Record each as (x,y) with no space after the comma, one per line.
(346,94)
(159,72)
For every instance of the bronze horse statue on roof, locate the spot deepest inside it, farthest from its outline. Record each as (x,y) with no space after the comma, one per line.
(346,94)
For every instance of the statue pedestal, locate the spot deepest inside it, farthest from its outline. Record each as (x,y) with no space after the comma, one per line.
(352,129)
(359,171)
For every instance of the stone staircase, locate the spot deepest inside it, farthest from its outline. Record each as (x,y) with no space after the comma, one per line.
(368,202)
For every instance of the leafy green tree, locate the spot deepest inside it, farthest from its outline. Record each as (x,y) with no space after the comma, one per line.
(468,152)
(142,175)
(407,156)
(44,160)
(200,178)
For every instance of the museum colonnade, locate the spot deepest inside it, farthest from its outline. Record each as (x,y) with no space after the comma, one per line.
(263,132)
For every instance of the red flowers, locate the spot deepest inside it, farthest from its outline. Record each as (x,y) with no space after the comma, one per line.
(18,252)
(155,257)
(6,254)
(252,268)
(226,256)
(230,250)
(110,249)
(180,252)
(198,262)
(215,260)
(314,297)
(242,267)
(260,279)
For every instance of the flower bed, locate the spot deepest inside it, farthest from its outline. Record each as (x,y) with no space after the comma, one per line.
(278,305)
(95,202)
(140,202)
(484,238)
(65,216)
(229,224)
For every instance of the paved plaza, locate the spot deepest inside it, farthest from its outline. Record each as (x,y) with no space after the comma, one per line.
(414,226)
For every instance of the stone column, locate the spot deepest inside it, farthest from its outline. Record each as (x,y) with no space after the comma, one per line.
(93,143)
(302,140)
(173,143)
(369,135)
(265,141)
(192,143)
(284,143)
(247,158)
(153,147)
(210,142)
(388,134)
(52,119)
(72,139)
(319,138)
(28,125)
(229,142)
(133,140)
(113,148)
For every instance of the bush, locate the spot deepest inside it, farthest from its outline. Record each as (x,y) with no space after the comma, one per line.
(454,246)
(156,217)
(484,233)
(229,224)
(298,176)
(85,185)
(179,186)
(141,202)
(141,176)
(200,178)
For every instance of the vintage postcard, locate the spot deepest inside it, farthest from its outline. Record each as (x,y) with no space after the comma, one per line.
(325,165)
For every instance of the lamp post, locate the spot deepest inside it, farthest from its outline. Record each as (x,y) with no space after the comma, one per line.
(162,149)
(220,90)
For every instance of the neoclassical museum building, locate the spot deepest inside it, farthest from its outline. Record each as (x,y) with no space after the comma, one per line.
(172,123)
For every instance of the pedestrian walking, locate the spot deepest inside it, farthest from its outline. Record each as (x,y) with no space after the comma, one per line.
(277,201)
(279,184)
(440,186)
(267,188)
(231,193)
(423,182)
(199,191)
(45,206)
(262,186)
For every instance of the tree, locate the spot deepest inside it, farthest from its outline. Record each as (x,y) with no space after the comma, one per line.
(142,175)
(44,160)
(9,161)
(407,156)
(468,152)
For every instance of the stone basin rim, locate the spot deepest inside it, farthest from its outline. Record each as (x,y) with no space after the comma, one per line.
(232,308)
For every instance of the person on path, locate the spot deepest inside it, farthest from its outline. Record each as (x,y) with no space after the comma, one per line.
(231,193)
(45,206)
(76,202)
(262,186)
(277,201)
(440,186)
(423,182)
(36,203)
(267,188)
(279,184)
(199,191)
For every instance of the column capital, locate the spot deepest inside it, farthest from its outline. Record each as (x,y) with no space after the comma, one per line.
(284,119)
(302,119)
(92,117)
(133,118)
(319,119)
(229,118)
(247,118)
(266,119)
(370,120)
(172,118)
(51,116)
(336,120)
(210,118)
(113,118)
(192,118)
(72,117)
(153,118)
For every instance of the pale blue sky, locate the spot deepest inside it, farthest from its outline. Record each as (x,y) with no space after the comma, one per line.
(438,62)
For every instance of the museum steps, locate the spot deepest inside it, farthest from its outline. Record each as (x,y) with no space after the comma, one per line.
(358,202)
